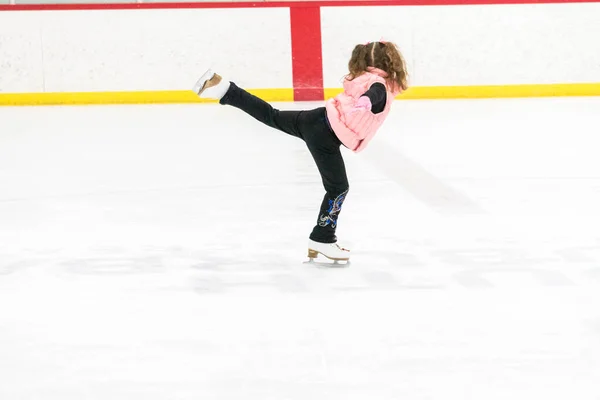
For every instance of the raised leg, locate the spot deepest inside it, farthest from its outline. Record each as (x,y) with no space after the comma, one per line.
(285,121)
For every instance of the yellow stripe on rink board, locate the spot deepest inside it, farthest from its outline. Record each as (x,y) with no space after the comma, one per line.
(185,96)
(493,91)
(501,91)
(142,97)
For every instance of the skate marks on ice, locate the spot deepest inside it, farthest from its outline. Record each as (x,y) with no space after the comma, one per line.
(419,266)
(419,182)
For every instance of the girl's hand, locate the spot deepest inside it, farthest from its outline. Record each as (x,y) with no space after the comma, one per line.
(363,103)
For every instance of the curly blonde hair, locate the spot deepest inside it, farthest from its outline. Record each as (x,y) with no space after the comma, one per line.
(382,55)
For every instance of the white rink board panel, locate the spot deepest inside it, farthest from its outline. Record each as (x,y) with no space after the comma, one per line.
(473,45)
(520,44)
(132,50)
(20,53)
(166,49)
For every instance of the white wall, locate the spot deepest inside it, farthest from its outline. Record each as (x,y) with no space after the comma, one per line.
(142,49)
(474,45)
(166,49)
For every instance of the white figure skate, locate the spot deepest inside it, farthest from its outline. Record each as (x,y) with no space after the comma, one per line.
(211,86)
(331,251)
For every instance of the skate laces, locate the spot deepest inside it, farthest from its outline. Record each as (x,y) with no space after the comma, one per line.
(341,248)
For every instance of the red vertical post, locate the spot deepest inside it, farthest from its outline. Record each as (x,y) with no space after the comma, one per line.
(307,60)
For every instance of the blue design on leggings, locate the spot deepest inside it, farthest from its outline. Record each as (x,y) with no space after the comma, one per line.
(332,212)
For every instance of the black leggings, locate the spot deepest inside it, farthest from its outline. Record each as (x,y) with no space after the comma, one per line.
(312,127)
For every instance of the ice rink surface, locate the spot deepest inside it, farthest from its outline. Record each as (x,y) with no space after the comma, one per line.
(156,253)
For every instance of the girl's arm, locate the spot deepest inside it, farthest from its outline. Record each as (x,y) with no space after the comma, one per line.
(377,97)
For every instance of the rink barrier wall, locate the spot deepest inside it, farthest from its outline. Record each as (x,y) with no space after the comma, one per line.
(285,95)
(302,66)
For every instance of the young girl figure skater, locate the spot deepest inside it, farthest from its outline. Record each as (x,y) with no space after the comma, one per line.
(376,74)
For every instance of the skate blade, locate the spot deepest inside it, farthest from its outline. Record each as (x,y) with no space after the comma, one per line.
(327,264)
(331,263)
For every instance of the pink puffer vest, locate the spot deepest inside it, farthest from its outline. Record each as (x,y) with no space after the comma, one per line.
(356,129)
